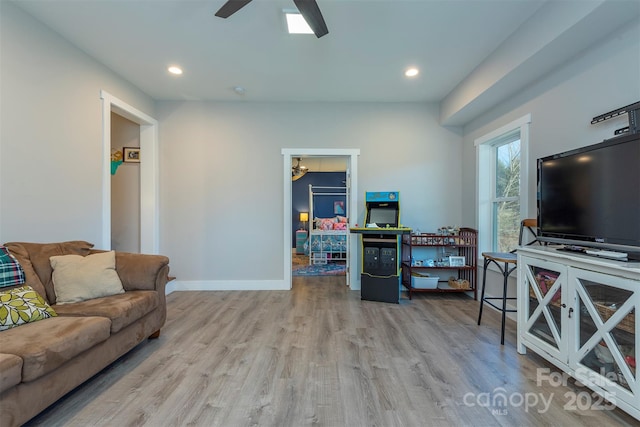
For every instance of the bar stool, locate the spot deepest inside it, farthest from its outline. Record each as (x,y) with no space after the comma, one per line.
(506,262)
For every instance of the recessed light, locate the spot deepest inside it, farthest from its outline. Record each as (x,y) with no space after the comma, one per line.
(296,23)
(175,70)
(411,72)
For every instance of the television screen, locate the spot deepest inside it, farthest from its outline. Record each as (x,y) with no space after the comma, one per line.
(592,195)
(383,216)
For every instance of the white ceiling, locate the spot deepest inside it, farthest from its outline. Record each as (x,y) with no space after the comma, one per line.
(363,57)
(457,44)
(322,163)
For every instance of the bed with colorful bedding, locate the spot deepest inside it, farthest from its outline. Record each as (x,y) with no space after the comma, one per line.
(327,235)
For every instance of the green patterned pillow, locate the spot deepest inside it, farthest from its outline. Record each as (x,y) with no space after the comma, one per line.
(22,305)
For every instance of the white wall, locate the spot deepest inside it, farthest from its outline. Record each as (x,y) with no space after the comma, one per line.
(221,163)
(125,188)
(562,105)
(51,137)
(221,171)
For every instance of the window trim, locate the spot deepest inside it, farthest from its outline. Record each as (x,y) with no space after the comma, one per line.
(485,182)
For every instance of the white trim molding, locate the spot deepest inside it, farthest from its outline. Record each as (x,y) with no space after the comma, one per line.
(518,123)
(149,172)
(485,181)
(227,285)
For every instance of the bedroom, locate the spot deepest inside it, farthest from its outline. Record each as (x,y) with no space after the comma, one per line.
(319,197)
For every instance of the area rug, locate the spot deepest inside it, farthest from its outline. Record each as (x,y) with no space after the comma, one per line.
(319,269)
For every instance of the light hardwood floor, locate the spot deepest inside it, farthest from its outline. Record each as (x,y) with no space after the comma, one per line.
(318,355)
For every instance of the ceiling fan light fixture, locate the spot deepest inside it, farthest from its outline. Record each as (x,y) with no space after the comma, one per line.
(296,23)
(308,10)
(298,171)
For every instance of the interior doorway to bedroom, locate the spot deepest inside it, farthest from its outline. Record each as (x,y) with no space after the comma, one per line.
(309,252)
(319,192)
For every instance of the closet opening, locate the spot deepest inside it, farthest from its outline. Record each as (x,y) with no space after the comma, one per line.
(148,218)
(125,186)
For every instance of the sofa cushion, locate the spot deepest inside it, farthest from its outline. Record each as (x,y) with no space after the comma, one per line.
(139,271)
(77,278)
(123,309)
(11,272)
(34,259)
(22,305)
(46,345)
(10,371)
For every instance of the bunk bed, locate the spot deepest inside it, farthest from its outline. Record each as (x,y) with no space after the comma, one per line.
(328,229)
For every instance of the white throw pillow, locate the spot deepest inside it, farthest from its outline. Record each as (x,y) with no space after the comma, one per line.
(77,278)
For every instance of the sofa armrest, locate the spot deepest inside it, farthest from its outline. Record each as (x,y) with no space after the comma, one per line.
(142,271)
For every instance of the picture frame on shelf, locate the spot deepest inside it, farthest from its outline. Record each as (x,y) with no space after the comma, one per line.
(131,154)
(457,261)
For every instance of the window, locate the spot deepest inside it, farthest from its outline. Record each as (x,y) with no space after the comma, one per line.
(505,206)
(502,185)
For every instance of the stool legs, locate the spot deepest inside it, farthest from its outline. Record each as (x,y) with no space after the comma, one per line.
(484,286)
(506,271)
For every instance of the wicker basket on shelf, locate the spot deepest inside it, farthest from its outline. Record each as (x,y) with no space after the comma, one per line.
(626,324)
(459,283)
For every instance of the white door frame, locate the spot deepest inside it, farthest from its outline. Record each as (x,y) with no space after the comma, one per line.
(149,175)
(291,153)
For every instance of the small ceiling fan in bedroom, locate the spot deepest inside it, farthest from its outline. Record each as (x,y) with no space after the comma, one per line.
(308,9)
(298,171)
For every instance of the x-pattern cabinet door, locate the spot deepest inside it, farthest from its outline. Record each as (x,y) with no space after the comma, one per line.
(604,350)
(545,306)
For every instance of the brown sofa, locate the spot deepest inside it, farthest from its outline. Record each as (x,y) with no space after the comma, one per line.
(42,361)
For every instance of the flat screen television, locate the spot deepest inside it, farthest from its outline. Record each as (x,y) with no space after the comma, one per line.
(591,196)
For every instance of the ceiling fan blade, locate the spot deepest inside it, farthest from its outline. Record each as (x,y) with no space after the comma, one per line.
(311,13)
(231,7)
(296,175)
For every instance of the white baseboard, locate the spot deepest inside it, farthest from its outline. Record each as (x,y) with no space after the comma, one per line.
(227,285)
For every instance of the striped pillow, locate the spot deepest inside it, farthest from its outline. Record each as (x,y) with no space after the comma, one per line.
(11,272)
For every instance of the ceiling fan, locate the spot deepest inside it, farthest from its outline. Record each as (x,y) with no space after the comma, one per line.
(298,171)
(308,9)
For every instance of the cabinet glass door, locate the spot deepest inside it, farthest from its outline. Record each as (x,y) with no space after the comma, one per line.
(545,282)
(607,328)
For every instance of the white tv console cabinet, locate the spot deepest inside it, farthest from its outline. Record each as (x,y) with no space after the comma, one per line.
(579,313)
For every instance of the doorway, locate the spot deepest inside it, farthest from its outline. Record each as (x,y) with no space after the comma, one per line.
(351,156)
(125,186)
(149,173)
(319,190)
